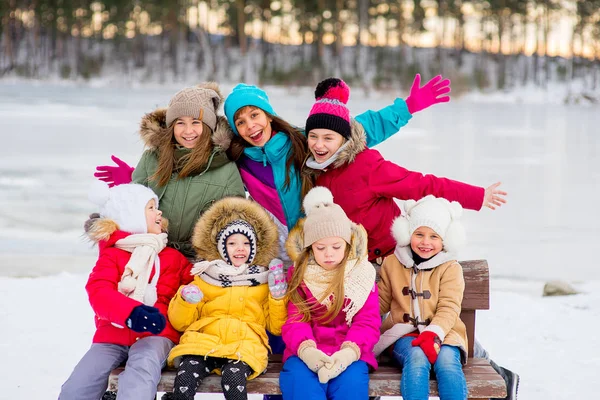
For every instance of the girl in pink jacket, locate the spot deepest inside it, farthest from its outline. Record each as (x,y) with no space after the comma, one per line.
(333,310)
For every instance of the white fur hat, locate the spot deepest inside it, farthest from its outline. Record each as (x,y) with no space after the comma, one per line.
(436,213)
(124,204)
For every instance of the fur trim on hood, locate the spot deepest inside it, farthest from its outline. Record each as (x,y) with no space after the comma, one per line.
(358,241)
(354,145)
(227,210)
(101,229)
(153,129)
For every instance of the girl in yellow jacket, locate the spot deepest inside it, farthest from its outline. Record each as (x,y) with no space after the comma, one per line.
(422,287)
(237,294)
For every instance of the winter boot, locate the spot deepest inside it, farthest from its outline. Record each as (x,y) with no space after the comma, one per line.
(512,381)
(109,395)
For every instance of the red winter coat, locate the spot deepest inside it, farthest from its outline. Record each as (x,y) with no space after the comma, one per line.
(364,184)
(112,306)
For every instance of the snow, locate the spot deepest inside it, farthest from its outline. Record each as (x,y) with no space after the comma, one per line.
(544,152)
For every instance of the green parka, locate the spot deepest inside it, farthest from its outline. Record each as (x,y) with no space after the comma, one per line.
(182,201)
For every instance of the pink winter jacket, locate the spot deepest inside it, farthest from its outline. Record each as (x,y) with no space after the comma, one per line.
(364,330)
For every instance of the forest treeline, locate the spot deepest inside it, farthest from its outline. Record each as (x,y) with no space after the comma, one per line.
(492,43)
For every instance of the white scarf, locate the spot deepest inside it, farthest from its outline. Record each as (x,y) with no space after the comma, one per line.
(144,249)
(220,273)
(359,280)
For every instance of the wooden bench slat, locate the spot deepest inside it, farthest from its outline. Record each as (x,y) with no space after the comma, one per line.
(482,381)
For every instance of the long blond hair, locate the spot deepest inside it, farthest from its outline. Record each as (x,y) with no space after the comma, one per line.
(192,162)
(336,287)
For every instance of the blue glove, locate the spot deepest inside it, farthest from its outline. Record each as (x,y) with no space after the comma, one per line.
(146,319)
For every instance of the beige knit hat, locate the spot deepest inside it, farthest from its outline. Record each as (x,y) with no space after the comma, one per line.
(201,101)
(324,218)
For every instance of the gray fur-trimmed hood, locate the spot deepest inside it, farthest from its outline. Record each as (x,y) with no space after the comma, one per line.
(353,146)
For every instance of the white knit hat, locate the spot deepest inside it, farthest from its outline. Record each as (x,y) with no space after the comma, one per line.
(436,213)
(324,218)
(124,204)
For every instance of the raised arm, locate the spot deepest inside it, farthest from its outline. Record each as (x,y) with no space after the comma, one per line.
(380,125)
(392,181)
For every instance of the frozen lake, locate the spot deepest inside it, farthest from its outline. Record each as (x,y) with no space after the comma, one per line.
(546,155)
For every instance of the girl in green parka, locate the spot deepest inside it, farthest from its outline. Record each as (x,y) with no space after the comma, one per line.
(182,163)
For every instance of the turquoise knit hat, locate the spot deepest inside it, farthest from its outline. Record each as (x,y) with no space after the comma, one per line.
(244,95)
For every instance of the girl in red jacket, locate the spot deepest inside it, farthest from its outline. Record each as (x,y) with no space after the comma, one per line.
(363,183)
(129,289)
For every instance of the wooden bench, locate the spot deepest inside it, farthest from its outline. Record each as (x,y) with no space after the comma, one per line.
(482,381)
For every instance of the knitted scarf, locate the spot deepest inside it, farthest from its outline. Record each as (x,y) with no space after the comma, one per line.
(219,273)
(359,279)
(144,249)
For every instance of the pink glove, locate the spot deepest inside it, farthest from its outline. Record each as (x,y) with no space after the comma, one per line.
(277,283)
(192,294)
(114,175)
(422,97)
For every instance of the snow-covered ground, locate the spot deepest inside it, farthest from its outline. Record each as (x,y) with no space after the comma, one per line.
(546,154)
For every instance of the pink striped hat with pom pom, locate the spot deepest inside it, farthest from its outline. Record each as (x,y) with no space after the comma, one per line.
(330,110)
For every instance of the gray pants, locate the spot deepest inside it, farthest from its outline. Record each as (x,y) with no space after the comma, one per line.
(145,359)
(479,351)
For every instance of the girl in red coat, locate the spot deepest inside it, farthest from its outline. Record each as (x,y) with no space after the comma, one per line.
(363,183)
(129,289)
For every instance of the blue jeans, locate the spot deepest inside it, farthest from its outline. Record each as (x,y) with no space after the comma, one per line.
(414,385)
(297,382)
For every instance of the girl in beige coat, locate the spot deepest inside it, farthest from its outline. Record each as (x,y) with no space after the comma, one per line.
(422,287)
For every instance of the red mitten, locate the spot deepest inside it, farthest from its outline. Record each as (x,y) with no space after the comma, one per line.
(430,343)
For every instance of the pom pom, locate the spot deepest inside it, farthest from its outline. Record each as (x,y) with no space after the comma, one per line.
(317,196)
(456,209)
(401,230)
(408,205)
(127,285)
(333,88)
(150,296)
(99,193)
(455,237)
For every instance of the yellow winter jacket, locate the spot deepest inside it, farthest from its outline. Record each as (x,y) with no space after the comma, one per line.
(228,323)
